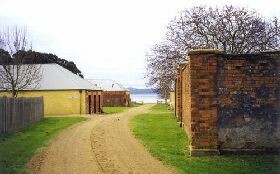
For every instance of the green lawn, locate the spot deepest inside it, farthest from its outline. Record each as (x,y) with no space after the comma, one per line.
(135,104)
(18,148)
(159,108)
(118,109)
(163,137)
(115,109)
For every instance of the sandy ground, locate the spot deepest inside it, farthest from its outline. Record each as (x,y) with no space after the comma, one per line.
(102,144)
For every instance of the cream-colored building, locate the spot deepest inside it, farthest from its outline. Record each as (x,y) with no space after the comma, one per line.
(64,92)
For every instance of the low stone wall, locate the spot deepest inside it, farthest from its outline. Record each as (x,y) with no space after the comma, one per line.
(230,102)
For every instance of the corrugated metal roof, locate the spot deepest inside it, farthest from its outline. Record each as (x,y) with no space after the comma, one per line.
(55,77)
(107,85)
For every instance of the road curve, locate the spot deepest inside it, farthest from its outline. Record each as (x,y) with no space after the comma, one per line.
(102,144)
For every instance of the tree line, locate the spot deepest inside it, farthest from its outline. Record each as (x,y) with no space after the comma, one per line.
(234,30)
(33,57)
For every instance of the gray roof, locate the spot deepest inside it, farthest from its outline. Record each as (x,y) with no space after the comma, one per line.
(55,77)
(107,85)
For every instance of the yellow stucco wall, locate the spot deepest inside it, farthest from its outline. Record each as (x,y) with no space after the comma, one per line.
(59,102)
(172,100)
(83,102)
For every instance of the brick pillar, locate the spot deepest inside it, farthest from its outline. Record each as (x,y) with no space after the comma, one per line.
(203,89)
(178,92)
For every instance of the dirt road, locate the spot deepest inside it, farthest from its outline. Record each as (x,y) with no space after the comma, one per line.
(103,144)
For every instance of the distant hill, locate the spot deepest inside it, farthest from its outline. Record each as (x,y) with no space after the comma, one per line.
(140,91)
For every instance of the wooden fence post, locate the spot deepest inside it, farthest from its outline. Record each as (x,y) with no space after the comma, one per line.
(3,114)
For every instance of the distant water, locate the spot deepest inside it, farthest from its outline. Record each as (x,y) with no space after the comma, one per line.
(146,98)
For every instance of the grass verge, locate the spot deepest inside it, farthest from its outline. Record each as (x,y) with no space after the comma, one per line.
(115,109)
(18,148)
(118,109)
(160,108)
(163,137)
(135,104)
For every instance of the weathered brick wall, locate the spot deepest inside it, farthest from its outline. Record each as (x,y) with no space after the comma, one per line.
(231,102)
(116,98)
(248,110)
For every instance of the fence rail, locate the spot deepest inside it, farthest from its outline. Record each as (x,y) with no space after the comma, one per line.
(17,113)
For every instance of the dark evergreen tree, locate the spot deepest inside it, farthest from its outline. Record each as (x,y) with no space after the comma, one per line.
(33,57)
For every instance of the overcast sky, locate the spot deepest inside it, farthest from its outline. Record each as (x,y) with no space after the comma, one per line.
(106,38)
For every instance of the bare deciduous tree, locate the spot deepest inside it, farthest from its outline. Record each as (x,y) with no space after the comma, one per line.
(162,63)
(233,30)
(14,75)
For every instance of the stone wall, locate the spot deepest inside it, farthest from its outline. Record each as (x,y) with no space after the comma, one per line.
(230,102)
